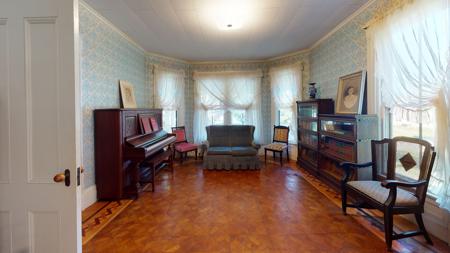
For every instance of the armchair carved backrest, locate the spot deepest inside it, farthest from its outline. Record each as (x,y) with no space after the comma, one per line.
(405,159)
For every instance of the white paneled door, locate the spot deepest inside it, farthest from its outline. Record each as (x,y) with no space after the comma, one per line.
(39,127)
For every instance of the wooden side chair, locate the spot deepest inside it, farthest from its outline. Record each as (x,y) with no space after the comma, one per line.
(387,192)
(182,146)
(279,143)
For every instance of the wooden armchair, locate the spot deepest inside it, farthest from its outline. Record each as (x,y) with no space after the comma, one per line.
(386,192)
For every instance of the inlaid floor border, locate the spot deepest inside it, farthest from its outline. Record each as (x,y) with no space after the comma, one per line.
(94,224)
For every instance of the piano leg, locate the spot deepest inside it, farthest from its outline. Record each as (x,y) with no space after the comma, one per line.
(135,178)
(153,177)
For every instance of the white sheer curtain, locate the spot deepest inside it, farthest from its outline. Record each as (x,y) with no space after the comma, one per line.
(227,92)
(169,95)
(286,83)
(411,70)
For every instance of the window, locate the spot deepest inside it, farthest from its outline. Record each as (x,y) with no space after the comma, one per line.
(238,117)
(169,120)
(285,117)
(402,122)
(286,90)
(169,95)
(409,51)
(216,117)
(225,98)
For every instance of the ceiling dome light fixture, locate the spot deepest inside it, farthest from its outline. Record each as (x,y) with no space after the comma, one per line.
(230,14)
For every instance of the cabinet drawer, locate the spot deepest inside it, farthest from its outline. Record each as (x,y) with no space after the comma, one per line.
(337,148)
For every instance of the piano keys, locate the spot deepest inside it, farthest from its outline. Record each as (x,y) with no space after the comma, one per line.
(126,157)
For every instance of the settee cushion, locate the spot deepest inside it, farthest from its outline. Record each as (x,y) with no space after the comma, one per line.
(241,135)
(243,151)
(374,190)
(218,136)
(230,135)
(219,151)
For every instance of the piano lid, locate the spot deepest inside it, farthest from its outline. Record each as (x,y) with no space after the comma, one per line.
(144,140)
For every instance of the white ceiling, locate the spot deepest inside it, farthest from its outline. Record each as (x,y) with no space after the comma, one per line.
(186,29)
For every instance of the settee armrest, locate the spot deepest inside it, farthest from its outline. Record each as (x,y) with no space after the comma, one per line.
(256,146)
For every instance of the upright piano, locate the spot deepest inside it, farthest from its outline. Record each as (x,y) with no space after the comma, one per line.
(127,156)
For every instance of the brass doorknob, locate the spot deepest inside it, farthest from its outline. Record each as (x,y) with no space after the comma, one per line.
(58,178)
(63,177)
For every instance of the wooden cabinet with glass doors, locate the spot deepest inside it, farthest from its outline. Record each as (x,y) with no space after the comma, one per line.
(345,138)
(308,131)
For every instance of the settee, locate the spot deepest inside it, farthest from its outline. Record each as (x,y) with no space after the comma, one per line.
(230,147)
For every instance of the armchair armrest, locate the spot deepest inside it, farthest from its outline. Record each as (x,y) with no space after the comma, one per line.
(395,183)
(355,165)
(392,186)
(348,169)
(205,144)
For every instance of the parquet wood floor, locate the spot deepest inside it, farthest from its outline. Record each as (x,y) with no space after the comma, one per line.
(271,210)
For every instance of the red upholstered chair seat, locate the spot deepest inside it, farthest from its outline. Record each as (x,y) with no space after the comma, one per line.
(185,147)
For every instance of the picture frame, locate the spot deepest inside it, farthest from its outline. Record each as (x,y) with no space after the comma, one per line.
(127,94)
(351,96)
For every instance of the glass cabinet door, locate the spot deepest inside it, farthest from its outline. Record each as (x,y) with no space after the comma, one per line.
(309,139)
(307,110)
(308,125)
(343,128)
(308,155)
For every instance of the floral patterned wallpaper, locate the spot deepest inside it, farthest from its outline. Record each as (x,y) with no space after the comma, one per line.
(344,52)
(106,57)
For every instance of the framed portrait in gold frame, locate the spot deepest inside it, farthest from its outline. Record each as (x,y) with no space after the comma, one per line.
(351,93)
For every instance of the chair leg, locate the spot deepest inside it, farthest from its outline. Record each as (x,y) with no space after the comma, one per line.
(281,158)
(422,228)
(388,228)
(181,157)
(196,154)
(344,198)
(287,151)
(171,165)
(265,155)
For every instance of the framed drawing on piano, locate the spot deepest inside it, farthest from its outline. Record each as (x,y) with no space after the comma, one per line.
(127,94)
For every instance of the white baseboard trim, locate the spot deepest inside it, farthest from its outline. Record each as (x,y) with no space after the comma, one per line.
(89,196)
